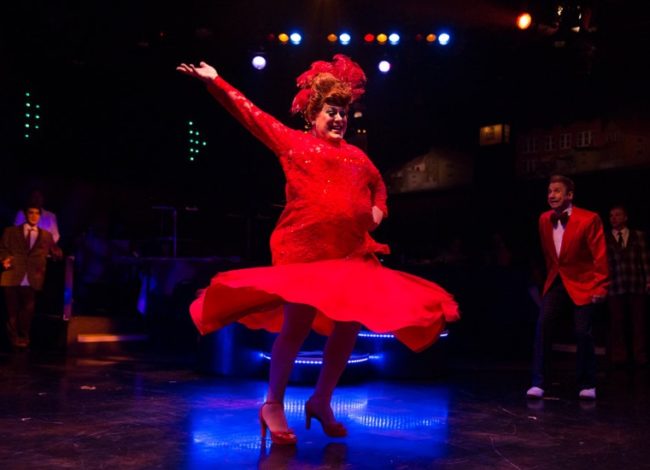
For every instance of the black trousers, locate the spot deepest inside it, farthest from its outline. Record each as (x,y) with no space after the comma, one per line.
(21,302)
(555,303)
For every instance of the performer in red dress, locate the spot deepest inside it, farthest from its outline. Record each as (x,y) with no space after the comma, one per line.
(325,274)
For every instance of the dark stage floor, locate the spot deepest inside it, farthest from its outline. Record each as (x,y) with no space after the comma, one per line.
(125,412)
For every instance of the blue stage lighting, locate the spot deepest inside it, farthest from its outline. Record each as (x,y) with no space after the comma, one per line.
(345,38)
(370,334)
(444,38)
(259,62)
(295,38)
(384,66)
(315,359)
(393,39)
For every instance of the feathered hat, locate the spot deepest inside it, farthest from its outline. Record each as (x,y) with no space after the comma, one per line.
(342,68)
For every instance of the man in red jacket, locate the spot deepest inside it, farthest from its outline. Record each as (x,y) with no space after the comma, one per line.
(577,279)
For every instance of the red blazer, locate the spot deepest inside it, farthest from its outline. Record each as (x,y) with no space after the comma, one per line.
(582,264)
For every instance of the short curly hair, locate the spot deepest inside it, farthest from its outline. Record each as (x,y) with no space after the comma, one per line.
(326,88)
(566,181)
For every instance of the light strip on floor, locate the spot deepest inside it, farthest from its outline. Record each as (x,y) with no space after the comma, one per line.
(104,338)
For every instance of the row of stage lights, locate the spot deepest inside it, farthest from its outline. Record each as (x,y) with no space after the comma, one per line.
(443,38)
(346,39)
(259,61)
(523,21)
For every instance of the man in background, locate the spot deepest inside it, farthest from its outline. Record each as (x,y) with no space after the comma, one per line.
(630,273)
(48,219)
(23,253)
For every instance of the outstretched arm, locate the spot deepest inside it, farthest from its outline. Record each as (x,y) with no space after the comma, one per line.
(263,126)
(203,72)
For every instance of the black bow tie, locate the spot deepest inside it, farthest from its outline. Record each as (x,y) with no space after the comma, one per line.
(563,218)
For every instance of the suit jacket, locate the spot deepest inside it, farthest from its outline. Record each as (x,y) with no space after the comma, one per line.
(582,263)
(629,267)
(25,260)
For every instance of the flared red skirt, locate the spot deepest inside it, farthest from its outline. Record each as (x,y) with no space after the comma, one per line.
(360,290)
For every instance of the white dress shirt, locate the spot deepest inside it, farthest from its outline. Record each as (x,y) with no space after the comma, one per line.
(558,232)
(46,222)
(32,233)
(626,235)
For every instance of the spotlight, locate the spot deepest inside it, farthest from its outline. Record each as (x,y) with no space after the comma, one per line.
(332,37)
(369,37)
(431,38)
(393,39)
(345,39)
(259,62)
(384,66)
(524,20)
(295,38)
(444,39)
(283,38)
(382,38)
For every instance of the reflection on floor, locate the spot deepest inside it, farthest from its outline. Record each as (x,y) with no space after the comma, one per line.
(119,412)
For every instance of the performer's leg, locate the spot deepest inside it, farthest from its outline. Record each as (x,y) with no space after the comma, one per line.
(337,352)
(12,300)
(617,352)
(338,349)
(585,349)
(28,306)
(637,314)
(554,302)
(297,324)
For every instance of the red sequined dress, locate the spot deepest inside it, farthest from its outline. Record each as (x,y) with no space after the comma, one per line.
(323,255)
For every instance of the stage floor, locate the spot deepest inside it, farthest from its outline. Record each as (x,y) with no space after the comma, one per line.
(151,412)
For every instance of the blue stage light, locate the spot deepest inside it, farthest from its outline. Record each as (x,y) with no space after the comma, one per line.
(444,38)
(384,66)
(315,359)
(259,62)
(345,39)
(393,39)
(370,334)
(295,38)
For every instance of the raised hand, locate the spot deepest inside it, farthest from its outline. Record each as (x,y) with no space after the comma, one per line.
(204,71)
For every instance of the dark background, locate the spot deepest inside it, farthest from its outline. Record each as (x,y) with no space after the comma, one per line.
(113,141)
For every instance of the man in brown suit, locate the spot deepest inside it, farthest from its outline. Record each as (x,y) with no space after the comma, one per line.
(23,252)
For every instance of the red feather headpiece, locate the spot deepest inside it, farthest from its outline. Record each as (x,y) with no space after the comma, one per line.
(342,68)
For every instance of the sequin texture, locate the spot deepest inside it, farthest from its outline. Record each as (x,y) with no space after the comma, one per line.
(330,188)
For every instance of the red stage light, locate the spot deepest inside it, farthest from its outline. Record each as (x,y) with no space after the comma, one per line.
(369,37)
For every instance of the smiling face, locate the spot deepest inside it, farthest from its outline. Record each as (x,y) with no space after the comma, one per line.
(331,122)
(559,197)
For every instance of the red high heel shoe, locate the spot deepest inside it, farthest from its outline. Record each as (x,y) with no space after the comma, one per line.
(283,438)
(331,428)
